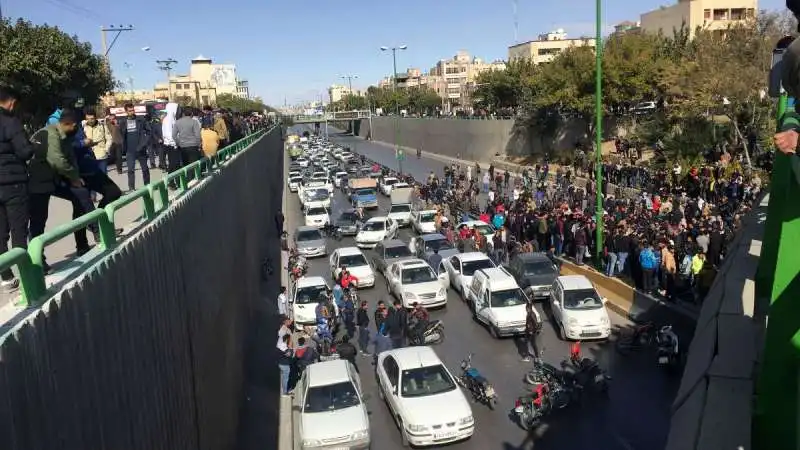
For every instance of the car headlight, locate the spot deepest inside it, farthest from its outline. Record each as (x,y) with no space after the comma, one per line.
(363,434)
(417,428)
(466,420)
(572,322)
(442,292)
(604,321)
(409,296)
(311,443)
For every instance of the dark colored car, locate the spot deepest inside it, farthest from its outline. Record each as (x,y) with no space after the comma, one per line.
(535,273)
(347,222)
(390,251)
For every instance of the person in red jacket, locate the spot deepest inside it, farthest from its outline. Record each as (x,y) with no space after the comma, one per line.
(347,279)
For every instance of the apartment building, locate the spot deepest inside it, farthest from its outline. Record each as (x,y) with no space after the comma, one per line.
(715,15)
(454,78)
(185,89)
(547,46)
(337,92)
(243,89)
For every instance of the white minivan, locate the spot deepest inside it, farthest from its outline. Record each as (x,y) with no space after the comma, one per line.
(579,309)
(498,302)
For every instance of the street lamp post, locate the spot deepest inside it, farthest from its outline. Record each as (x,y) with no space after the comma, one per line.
(398,153)
(598,130)
(349,79)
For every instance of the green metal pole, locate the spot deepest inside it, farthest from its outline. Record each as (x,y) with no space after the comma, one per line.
(397,154)
(598,131)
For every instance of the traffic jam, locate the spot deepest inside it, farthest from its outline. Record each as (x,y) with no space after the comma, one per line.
(387,287)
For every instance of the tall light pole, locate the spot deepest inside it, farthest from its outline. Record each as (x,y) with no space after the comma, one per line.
(398,153)
(349,79)
(598,130)
(107,47)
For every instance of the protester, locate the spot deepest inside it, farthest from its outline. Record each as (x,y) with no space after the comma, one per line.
(210,139)
(186,134)
(97,139)
(283,302)
(15,151)
(136,140)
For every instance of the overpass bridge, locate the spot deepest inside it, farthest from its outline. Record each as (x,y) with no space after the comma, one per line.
(336,116)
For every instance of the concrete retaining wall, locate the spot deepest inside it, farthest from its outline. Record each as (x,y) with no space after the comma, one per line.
(475,140)
(147,350)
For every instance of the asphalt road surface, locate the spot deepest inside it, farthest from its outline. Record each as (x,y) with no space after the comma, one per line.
(635,416)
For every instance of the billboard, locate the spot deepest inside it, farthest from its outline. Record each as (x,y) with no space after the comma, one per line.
(223,77)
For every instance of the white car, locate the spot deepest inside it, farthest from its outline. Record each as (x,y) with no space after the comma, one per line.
(460,268)
(294,173)
(423,397)
(319,196)
(294,183)
(483,228)
(356,263)
(347,156)
(413,280)
(316,216)
(579,309)
(318,181)
(424,222)
(375,230)
(497,301)
(338,177)
(332,410)
(303,299)
(302,161)
(385,185)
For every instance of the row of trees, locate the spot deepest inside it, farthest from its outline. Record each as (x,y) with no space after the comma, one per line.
(49,68)
(709,88)
(228,101)
(416,99)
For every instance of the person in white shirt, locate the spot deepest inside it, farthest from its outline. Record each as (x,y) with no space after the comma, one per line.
(286,328)
(490,195)
(283,302)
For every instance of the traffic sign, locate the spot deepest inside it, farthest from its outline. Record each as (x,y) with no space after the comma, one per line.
(400,155)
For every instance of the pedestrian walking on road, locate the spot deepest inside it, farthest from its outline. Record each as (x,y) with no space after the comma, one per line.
(186,133)
(279,221)
(136,139)
(285,361)
(362,321)
(283,302)
(15,151)
(396,324)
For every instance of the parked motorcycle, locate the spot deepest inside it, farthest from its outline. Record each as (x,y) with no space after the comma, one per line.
(432,335)
(668,347)
(298,266)
(587,372)
(531,408)
(562,385)
(472,380)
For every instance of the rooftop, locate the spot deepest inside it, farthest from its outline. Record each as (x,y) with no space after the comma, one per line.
(412,357)
(328,372)
(575,282)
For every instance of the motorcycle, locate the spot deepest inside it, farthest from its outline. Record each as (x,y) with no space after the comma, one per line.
(561,384)
(472,380)
(668,347)
(529,409)
(298,266)
(432,335)
(352,293)
(587,372)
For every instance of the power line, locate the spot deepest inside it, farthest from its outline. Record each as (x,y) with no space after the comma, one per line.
(76,10)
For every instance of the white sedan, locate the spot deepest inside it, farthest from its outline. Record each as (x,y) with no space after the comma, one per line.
(424,222)
(317,216)
(413,281)
(375,230)
(460,269)
(386,185)
(355,262)
(423,397)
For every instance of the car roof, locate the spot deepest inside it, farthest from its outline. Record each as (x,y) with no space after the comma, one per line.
(327,372)
(472,223)
(412,263)
(575,282)
(472,256)
(499,279)
(377,219)
(432,237)
(310,281)
(534,256)
(423,211)
(350,251)
(307,228)
(393,243)
(414,357)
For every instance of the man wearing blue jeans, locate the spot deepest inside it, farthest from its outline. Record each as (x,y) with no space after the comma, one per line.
(136,139)
(284,361)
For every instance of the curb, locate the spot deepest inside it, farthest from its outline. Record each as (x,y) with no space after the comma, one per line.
(285,422)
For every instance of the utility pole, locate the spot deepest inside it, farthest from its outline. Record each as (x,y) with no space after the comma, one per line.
(104,39)
(166,66)
(598,130)
(398,152)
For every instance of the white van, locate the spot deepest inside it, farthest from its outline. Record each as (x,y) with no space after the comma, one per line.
(498,302)
(579,309)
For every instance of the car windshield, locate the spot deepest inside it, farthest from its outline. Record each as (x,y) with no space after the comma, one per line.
(348,217)
(311,294)
(581,299)
(424,381)
(316,211)
(331,397)
(469,267)
(484,229)
(427,217)
(296,179)
(399,251)
(438,244)
(374,226)
(389,181)
(508,297)
(365,192)
(352,261)
(320,194)
(538,268)
(415,275)
(309,235)
(400,208)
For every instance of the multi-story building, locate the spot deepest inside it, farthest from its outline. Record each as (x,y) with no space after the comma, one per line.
(243,89)
(337,92)
(714,15)
(184,89)
(547,46)
(626,27)
(452,78)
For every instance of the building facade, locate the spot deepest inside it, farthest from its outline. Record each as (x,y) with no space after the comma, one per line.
(714,15)
(186,90)
(453,79)
(547,47)
(243,89)
(337,92)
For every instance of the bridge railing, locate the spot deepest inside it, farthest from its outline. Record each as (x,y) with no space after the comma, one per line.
(153,198)
(331,116)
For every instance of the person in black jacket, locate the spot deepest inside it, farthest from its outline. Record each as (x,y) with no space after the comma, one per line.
(136,138)
(347,351)
(15,151)
(362,321)
(396,324)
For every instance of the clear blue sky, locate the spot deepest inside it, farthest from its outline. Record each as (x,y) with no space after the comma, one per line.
(296,49)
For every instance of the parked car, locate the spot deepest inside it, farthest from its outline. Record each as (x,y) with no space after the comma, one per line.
(310,242)
(413,280)
(356,263)
(578,309)
(423,246)
(535,273)
(388,252)
(375,230)
(463,266)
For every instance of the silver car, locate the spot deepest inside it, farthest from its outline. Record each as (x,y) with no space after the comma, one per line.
(310,242)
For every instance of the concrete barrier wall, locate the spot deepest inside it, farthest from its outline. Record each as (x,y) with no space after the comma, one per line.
(147,350)
(476,140)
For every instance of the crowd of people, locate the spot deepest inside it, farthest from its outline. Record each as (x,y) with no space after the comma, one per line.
(69,158)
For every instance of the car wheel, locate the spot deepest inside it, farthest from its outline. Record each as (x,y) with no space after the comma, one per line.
(493,332)
(562,332)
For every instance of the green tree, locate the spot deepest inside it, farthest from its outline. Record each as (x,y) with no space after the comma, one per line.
(49,68)
(352,102)
(423,100)
(236,103)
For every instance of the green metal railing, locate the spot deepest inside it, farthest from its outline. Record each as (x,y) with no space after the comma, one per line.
(154,199)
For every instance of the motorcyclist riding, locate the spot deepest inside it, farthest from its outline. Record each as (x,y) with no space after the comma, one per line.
(418,321)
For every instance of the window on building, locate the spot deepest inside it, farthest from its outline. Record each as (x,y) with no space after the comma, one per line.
(706,14)
(751,12)
(721,14)
(463,69)
(205,100)
(451,70)
(548,51)
(738,14)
